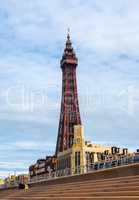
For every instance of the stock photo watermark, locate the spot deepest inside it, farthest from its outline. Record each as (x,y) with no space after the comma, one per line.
(25,99)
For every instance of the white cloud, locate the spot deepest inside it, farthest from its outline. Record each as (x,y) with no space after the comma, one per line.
(33,145)
(110,26)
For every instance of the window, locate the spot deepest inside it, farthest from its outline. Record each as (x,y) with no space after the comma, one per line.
(77,159)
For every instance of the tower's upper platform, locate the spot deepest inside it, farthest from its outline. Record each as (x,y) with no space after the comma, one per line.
(69,56)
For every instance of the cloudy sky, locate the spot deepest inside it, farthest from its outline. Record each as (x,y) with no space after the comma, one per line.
(105,36)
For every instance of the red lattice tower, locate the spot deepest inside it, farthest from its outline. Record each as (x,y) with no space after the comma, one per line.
(70,114)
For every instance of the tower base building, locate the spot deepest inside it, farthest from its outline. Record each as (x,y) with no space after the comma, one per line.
(83,154)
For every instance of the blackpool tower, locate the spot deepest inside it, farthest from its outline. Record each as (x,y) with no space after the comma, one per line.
(70,114)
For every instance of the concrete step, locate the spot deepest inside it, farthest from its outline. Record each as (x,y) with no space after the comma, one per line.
(7,192)
(92,182)
(81,194)
(77,190)
(76,198)
(98,188)
(88,194)
(82,181)
(72,190)
(94,186)
(86,185)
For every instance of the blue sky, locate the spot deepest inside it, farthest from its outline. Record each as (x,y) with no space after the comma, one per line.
(105,35)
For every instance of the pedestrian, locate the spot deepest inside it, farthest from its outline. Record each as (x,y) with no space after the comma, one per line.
(26,187)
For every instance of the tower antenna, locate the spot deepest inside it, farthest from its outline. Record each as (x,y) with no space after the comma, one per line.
(68,35)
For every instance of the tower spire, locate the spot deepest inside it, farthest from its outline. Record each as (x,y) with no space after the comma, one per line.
(68,42)
(69,56)
(68,34)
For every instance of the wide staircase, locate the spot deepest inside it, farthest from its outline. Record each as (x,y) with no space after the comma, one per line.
(99,185)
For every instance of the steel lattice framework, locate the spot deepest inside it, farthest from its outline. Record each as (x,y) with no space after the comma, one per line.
(70,114)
